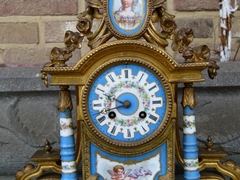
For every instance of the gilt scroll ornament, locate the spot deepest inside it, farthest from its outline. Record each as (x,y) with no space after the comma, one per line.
(154,15)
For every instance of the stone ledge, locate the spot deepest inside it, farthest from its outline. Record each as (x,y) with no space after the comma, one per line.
(29,78)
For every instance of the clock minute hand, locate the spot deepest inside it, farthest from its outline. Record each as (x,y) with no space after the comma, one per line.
(118,100)
(125,104)
(111,98)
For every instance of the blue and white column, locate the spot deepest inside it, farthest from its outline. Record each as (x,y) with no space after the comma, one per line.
(190,145)
(67,143)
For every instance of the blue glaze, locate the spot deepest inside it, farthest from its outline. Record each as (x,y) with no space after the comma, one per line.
(190,148)
(188,111)
(67,148)
(122,31)
(65,114)
(122,159)
(72,176)
(134,104)
(102,80)
(194,175)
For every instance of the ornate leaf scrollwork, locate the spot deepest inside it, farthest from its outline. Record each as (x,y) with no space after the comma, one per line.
(65,100)
(232,165)
(73,40)
(181,39)
(84,24)
(44,77)
(196,54)
(167,24)
(95,6)
(181,42)
(212,70)
(59,56)
(188,96)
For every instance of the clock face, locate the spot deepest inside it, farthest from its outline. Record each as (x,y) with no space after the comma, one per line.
(127,103)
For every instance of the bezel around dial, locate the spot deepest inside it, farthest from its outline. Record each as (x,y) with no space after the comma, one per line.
(131,136)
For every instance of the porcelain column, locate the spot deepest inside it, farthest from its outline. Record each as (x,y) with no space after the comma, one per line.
(190,145)
(67,143)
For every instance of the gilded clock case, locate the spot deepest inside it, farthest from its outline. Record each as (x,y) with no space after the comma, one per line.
(123,52)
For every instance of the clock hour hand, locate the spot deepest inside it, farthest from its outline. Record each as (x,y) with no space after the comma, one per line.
(106,110)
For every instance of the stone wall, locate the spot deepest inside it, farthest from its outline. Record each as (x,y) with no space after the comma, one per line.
(29,113)
(29,30)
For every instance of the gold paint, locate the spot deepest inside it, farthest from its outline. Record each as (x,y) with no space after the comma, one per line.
(45,162)
(108,63)
(130,162)
(212,159)
(188,98)
(92,177)
(64,100)
(168,136)
(129,49)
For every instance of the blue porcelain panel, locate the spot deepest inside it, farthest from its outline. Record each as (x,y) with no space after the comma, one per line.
(127,21)
(135,160)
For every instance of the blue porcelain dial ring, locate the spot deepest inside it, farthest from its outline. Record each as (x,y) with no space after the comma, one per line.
(127,103)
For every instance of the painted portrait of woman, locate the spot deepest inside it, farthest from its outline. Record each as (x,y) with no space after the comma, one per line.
(128,13)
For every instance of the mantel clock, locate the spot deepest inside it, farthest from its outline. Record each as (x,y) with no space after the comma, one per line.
(127,108)
(126,89)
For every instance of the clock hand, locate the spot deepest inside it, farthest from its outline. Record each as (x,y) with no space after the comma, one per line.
(105,110)
(118,100)
(110,97)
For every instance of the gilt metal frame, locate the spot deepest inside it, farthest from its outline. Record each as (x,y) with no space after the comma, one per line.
(149,43)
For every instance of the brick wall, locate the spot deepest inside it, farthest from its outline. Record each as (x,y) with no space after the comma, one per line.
(30,28)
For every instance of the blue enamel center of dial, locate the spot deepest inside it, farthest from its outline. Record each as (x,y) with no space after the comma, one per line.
(133,104)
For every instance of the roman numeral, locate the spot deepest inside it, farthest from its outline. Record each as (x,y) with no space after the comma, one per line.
(100,89)
(141,77)
(97,105)
(101,119)
(157,102)
(126,73)
(152,88)
(110,77)
(113,130)
(144,129)
(128,133)
(154,118)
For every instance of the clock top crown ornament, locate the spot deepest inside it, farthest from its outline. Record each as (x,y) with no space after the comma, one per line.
(145,20)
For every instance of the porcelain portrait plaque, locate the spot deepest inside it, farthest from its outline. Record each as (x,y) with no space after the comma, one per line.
(127,18)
